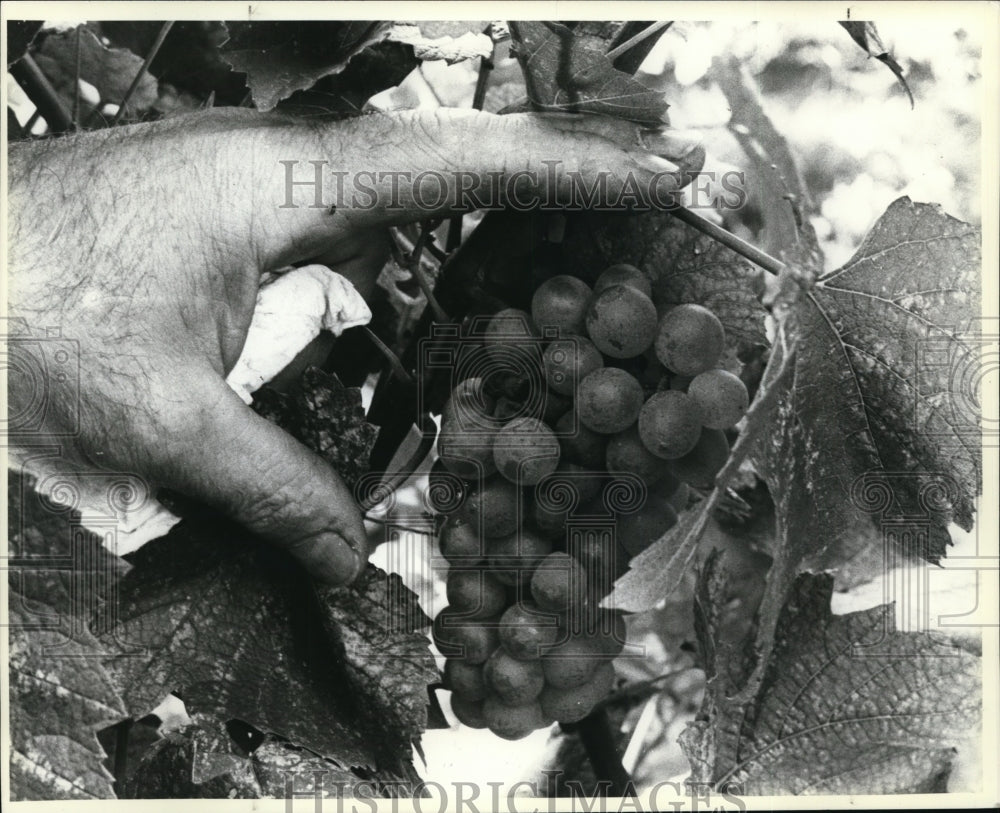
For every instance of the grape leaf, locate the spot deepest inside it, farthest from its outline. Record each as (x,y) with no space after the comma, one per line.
(873,433)
(60,694)
(864,33)
(110,70)
(684,265)
(848,705)
(237,630)
(327,417)
(282,57)
(661,568)
(776,187)
(893,335)
(563,71)
(201,761)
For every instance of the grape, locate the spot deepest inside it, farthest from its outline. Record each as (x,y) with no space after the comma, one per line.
(690,339)
(573,704)
(609,400)
(445,491)
(559,582)
(579,444)
(669,424)
(464,678)
(602,558)
(465,445)
(507,409)
(549,523)
(508,327)
(513,558)
(568,361)
(571,663)
(621,321)
(514,681)
(624,274)
(585,484)
(641,529)
(526,630)
(469,406)
(460,542)
(513,722)
(525,451)
(493,506)
(475,593)
(626,453)
(723,398)
(466,454)
(701,465)
(468,712)
(457,637)
(561,302)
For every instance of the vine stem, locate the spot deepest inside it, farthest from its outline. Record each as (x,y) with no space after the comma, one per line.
(729,240)
(412,262)
(43,96)
(389,484)
(160,37)
(647,32)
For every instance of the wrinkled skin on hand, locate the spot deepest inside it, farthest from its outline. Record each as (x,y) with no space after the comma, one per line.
(146,244)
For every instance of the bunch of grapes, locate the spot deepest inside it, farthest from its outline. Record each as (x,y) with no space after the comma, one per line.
(572,451)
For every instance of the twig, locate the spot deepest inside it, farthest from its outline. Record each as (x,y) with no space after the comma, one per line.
(647,32)
(641,688)
(44,97)
(729,240)
(160,37)
(390,356)
(412,261)
(407,528)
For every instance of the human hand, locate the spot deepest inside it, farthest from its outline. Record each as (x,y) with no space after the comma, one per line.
(146,245)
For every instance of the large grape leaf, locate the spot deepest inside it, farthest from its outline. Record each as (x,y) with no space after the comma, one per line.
(684,264)
(282,57)
(60,693)
(564,71)
(848,705)
(238,631)
(874,445)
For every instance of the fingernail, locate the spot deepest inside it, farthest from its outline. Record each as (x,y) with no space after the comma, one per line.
(653,163)
(674,144)
(331,560)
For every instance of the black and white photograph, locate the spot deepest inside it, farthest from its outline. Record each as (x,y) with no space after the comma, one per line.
(533,414)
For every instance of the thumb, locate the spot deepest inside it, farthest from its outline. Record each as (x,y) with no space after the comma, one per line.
(214,448)
(324,181)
